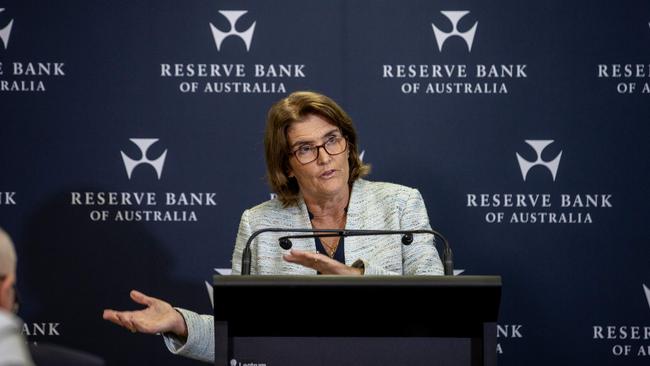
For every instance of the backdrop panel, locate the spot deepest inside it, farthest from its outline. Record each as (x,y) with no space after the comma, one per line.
(523,124)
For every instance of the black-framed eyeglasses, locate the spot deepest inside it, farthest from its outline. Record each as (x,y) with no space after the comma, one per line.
(334,145)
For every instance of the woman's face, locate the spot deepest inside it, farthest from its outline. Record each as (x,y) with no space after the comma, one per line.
(328,175)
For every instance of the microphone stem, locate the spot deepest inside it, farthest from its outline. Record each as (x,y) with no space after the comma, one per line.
(447,256)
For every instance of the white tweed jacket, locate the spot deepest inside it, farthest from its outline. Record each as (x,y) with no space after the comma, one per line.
(373,206)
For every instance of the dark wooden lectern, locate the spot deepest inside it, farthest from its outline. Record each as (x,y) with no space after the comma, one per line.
(337,320)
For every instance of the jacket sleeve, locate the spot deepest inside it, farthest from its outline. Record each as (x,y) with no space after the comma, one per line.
(200,328)
(200,337)
(419,258)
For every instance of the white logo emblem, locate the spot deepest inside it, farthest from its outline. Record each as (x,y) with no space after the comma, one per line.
(6,32)
(144,145)
(454,17)
(538,146)
(233,16)
(647,293)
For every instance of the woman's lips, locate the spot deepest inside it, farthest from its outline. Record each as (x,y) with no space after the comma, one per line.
(328,173)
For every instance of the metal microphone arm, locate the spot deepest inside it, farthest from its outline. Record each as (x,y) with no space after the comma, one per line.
(246,254)
(407,239)
(285,242)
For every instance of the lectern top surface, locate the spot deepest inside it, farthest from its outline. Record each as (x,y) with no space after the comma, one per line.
(325,280)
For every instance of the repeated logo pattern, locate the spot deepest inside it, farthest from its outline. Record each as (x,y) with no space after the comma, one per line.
(454,17)
(143,145)
(539,146)
(6,32)
(233,16)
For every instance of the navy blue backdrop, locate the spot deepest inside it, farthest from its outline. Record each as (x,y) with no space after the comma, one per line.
(523,124)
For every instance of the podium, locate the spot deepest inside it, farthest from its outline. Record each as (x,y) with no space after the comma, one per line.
(340,320)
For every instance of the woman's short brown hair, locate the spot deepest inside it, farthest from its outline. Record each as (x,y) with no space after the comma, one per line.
(294,108)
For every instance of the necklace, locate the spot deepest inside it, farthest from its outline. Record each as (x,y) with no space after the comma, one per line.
(331,250)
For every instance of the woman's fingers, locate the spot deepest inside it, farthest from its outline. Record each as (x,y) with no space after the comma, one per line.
(319,262)
(125,321)
(141,298)
(155,318)
(303,258)
(298,255)
(312,260)
(111,316)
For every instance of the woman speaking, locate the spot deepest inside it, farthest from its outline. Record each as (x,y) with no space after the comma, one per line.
(314,168)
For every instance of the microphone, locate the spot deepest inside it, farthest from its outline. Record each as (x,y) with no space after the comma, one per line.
(407,239)
(285,242)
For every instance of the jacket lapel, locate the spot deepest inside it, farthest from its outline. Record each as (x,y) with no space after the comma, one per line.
(355,222)
(299,220)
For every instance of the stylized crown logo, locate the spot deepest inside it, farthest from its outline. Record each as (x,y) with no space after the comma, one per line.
(647,293)
(539,146)
(6,32)
(233,16)
(143,145)
(454,17)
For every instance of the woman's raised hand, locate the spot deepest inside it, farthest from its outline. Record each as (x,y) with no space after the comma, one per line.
(320,263)
(157,317)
